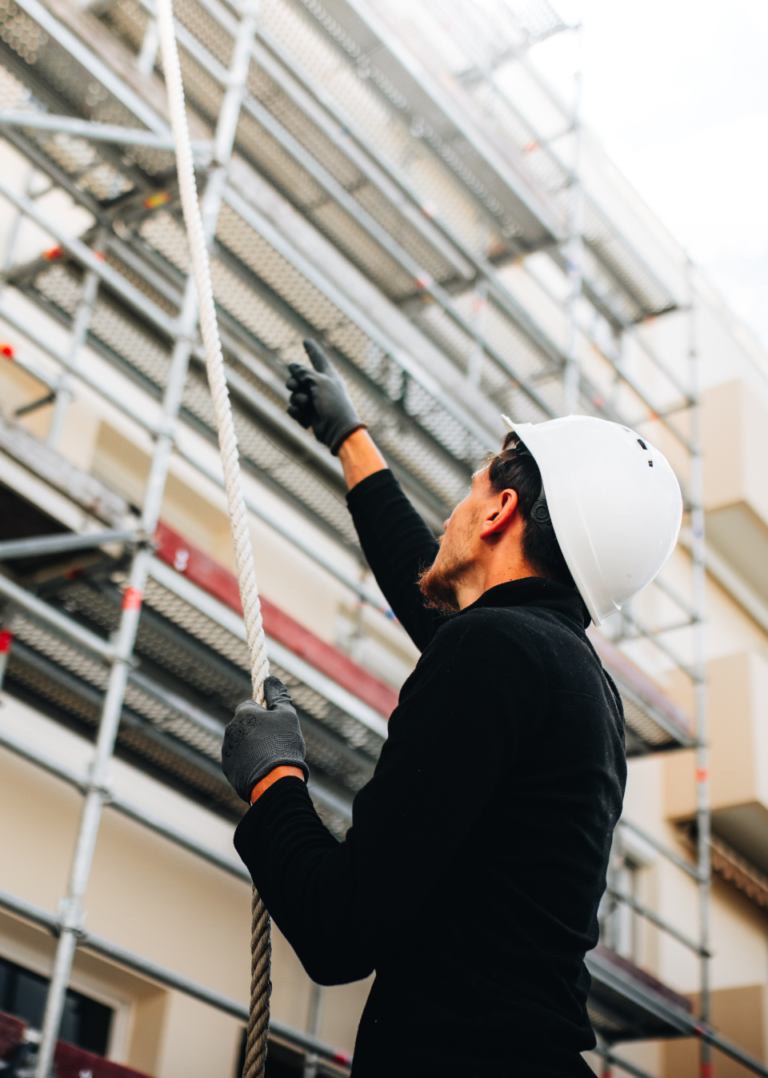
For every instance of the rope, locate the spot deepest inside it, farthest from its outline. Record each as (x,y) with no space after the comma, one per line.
(258,1025)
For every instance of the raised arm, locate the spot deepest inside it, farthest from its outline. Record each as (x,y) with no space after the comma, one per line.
(360,457)
(395,539)
(398,545)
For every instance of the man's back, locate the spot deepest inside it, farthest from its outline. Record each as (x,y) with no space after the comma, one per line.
(470,878)
(527,739)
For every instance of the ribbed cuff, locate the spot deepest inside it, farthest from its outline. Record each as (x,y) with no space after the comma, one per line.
(340,441)
(261,772)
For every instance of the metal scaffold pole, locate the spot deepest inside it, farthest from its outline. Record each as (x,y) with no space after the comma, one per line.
(575,247)
(703,811)
(80,325)
(314,1025)
(72,912)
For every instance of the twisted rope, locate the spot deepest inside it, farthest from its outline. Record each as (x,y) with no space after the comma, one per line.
(261,948)
(261,988)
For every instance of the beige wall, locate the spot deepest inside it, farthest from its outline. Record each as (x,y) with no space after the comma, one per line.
(739,1014)
(738,736)
(735,432)
(140,1006)
(150,896)
(661,790)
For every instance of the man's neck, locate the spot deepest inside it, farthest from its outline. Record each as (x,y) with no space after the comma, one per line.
(469,590)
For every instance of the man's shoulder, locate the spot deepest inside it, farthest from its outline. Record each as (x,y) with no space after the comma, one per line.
(527,636)
(491,629)
(509,621)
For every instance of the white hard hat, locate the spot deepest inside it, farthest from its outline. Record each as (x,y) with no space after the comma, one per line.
(614,503)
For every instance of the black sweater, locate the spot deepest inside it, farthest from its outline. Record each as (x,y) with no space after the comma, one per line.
(471,876)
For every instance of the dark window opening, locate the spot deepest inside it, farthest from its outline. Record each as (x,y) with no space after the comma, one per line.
(85,1023)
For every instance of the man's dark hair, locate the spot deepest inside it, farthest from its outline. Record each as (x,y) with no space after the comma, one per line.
(515,469)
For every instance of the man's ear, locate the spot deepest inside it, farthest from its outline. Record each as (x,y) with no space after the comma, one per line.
(501,516)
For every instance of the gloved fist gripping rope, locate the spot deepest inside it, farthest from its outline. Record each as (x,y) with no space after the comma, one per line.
(260,739)
(320,399)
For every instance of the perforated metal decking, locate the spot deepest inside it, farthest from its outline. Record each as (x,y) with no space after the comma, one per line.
(192,671)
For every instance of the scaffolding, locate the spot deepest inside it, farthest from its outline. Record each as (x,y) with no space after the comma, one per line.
(354,196)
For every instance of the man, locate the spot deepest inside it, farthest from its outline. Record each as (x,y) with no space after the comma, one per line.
(471,876)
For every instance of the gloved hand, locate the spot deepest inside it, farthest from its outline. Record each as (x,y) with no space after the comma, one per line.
(259,739)
(319,399)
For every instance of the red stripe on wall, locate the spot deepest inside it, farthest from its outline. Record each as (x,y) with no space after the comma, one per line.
(208,574)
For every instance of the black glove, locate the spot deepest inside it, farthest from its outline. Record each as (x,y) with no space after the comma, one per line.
(259,739)
(319,399)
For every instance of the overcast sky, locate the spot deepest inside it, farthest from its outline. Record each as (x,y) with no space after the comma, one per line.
(677,91)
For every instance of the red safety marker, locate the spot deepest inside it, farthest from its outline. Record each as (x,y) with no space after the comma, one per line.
(707,1070)
(342,1057)
(7,350)
(132,598)
(53,254)
(702,774)
(6,639)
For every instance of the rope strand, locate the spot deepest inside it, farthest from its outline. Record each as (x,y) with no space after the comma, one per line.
(261,986)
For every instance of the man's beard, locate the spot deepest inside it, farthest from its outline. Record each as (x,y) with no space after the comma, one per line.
(438,584)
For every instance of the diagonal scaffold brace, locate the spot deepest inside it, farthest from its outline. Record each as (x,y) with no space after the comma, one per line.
(258,1025)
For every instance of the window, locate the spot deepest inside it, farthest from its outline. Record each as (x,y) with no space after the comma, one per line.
(85,1023)
(622,928)
(624,925)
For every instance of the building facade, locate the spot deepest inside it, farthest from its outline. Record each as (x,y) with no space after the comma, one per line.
(406,187)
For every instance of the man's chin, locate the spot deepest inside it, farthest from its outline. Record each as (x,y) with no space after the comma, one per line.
(438,591)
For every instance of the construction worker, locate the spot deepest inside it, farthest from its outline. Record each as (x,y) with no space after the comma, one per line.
(470,879)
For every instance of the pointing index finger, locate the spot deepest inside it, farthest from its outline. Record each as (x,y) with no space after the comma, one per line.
(317,356)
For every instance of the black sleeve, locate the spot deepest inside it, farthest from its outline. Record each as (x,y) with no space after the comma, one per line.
(342,905)
(398,545)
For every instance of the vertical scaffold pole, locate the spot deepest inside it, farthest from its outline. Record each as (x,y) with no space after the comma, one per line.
(703,814)
(12,240)
(575,247)
(80,326)
(314,1025)
(72,905)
